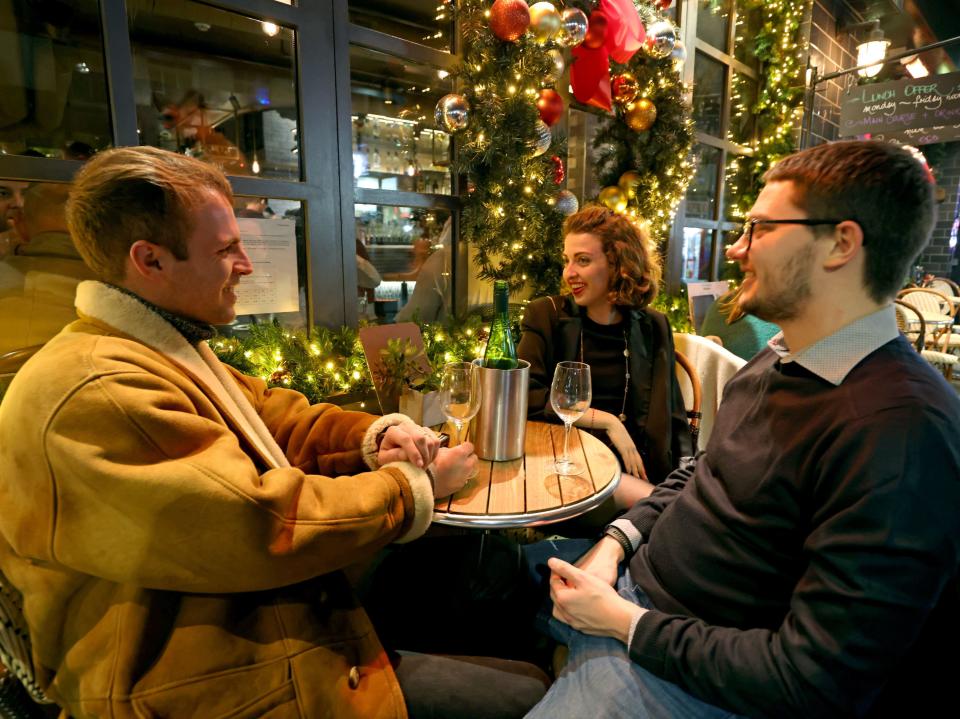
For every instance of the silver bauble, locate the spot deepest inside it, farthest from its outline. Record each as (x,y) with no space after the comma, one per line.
(453,113)
(544,138)
(661,38)
(556,72)
(679,53)
(573,27)
(566,203)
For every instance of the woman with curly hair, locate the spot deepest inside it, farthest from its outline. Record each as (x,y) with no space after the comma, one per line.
(611,274)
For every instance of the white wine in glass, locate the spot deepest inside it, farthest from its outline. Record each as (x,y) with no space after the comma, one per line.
(570,397)
(460,394)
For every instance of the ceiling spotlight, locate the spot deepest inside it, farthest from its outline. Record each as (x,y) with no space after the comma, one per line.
(202,26)
(83,68)
(269,28)
(387,95)
(872,51)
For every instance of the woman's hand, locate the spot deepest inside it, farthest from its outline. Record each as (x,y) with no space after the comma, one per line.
(453,467)
(626,448)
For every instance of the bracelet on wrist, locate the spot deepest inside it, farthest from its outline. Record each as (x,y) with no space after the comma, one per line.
(621,539)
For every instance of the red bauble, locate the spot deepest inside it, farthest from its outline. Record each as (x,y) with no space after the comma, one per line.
(596,31)
(550,106)
(509,19)
(558,170)
(665,4)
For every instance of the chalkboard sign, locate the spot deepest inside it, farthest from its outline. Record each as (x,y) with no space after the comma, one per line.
(918,111)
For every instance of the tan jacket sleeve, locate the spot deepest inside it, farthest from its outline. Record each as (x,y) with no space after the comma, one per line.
(157,491)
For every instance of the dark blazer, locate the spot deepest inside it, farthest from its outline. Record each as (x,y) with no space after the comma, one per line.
(658,421)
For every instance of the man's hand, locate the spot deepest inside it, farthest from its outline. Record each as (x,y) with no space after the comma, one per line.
(453,467)
(408,442)
(588,604)
(602,560)
(626,448)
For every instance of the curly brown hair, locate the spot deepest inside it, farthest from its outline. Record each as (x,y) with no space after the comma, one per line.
(634,262)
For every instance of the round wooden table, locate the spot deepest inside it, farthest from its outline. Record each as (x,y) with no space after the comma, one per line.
(527,492)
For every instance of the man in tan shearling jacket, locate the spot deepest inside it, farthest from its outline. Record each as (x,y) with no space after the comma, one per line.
(175,527)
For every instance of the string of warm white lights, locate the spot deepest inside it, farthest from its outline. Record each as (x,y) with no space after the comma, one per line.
(778,44)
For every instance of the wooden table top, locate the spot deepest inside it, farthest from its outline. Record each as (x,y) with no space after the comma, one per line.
(527,492)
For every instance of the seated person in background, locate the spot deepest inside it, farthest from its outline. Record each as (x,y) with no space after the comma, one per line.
(805,564)
(176,528)
(741,333)
(430,301)
(38,283)
(611,274)
(11,200)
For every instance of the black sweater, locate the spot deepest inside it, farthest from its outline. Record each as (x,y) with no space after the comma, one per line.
(794,566)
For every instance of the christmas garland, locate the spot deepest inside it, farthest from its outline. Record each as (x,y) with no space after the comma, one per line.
(779,46)
(651,167)
(509,213)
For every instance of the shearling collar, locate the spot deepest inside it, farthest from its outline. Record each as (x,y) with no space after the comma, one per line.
(108,305)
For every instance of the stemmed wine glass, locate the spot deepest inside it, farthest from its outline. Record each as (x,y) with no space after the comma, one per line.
(570,396)
(460,394)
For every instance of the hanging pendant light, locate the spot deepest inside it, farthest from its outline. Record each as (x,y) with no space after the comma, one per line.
(872,52)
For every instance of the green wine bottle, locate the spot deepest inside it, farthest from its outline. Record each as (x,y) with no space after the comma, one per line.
(501,352)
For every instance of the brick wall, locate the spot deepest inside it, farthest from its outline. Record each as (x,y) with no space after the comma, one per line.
(939,258)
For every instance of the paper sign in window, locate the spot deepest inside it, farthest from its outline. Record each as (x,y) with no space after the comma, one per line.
(272,247)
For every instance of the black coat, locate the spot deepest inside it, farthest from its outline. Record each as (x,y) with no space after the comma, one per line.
(551,334)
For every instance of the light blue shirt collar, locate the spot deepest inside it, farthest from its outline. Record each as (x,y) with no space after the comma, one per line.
(834,356)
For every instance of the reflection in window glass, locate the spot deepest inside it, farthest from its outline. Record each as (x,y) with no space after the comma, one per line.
(702,193)
(38,281)
(742,117)
(748,26)
(403,263)
(713,22)
(53,90)
(697,252)
(708,85)
(273,236)
(395,143)
(738,183)
(428,22)
(216,85)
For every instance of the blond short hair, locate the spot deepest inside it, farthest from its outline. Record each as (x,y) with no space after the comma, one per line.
(137,193)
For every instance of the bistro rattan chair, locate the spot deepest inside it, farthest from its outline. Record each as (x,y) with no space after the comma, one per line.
(913,327)
(938,312)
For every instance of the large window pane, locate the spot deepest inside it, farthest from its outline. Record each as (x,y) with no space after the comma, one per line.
(742,117)
(53,96)
(395,143)
(748,27)
(273,236)
(428,22)
(403,263)
(708,85)
(697,253)
(702,193)
(713,22)
(216,85)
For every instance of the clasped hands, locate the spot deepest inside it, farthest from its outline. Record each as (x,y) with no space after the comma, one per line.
(584,596)
(409,442)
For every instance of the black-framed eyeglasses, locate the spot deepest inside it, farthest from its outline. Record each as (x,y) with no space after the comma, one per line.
(750,224)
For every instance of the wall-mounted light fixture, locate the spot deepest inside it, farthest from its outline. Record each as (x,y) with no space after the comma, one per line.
(269,28)
(915,66)
(872,51)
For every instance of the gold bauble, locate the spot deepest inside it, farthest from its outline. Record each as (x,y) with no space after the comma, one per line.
(628,183)
(640,115)
(544,21)
(613,198)
(624,88)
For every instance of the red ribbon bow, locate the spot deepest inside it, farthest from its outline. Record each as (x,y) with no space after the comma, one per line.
(590,71)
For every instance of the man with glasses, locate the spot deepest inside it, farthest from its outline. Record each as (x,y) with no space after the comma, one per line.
(802,565)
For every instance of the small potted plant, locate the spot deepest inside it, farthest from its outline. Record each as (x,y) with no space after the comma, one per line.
(408,382)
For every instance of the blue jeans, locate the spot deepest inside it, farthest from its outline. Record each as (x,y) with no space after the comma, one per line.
(599,680)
